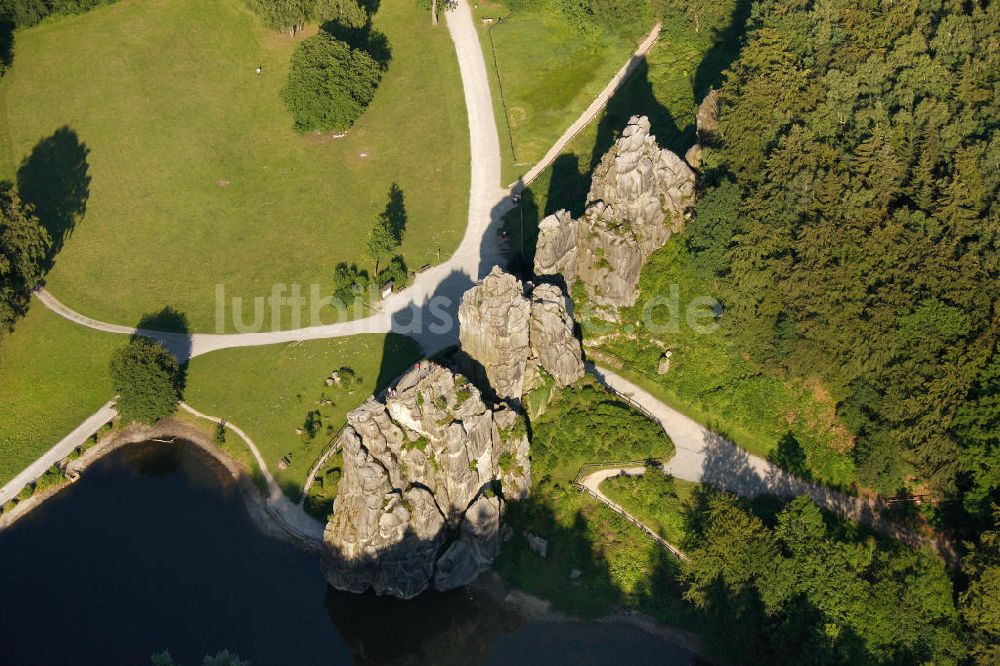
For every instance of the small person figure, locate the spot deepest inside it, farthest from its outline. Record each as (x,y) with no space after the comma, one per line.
(259,68)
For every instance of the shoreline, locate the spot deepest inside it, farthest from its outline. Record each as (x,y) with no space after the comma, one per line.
(261,515)
(489,583)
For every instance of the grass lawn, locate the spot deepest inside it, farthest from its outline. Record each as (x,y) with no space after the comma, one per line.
(270,391)
(53,375)
(187,165)
(545,74)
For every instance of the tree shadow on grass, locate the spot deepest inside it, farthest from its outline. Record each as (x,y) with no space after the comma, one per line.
(55,180)
(365,38)
(790,456)
(395,212)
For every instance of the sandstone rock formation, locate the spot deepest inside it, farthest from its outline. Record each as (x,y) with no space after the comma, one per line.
(493,329)
(419,503)
(554,347)
(638,197)
(707,120)
(510,336)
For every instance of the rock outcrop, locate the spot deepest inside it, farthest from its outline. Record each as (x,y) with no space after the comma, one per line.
(554,346)
(638,197)
(707,120)
(420,500)
(510,335)
(493,330)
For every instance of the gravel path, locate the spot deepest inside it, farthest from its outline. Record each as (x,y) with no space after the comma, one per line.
(288,512)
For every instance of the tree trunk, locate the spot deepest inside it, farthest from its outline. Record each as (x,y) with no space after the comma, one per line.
(434,12)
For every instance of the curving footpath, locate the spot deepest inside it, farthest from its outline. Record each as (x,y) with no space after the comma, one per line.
(289,514)
(592,484)
(706,457)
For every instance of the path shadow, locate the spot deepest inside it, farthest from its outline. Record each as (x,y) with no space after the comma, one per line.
(636,98)
(169,327)
(726,47)
(434,323)
(727,467)
(55,179)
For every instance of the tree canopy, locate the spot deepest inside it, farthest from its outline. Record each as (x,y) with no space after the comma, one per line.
(147,379)
(24,243)
(799,593)
(858,162)
(293,14)
(330,84)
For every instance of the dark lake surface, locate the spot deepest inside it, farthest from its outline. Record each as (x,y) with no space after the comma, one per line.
(154,550)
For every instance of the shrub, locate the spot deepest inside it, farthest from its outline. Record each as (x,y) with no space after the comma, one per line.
(330,84)
(348,283)
(396,271)
(220,433)
(26,492)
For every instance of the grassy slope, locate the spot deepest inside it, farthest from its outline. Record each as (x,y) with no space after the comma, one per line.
(268,391)
(657,501)
(53,375)
(548,73)
(709,378)
(164,96)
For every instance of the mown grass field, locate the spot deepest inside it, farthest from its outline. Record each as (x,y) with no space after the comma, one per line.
(53,375)
(269,392)
(189,169)
(545,73)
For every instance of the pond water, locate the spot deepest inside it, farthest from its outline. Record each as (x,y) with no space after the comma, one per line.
(154,550)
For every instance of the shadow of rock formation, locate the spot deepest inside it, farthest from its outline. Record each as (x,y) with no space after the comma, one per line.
(725,49)
(636,98)
(435,628)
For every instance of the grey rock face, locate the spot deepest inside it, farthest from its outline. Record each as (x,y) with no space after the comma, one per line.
(493,330)
(418,472)
(510,335)
(557,246)
(553,345)
(707,120)
(638,198)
